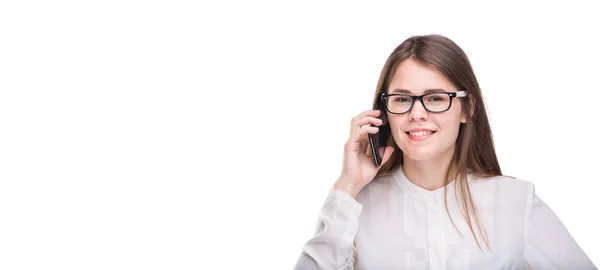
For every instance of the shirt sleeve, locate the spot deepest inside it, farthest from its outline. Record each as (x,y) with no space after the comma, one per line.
(332,246)
(548,243)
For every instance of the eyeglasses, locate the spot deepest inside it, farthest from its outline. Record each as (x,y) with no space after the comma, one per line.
(432,102)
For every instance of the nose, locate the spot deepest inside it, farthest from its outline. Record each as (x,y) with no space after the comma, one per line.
(417,112)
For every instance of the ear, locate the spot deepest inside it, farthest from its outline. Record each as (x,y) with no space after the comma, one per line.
(463,117)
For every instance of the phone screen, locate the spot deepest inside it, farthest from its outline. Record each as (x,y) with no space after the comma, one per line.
(380,138)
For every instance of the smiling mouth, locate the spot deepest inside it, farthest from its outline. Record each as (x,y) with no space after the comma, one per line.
(420,133)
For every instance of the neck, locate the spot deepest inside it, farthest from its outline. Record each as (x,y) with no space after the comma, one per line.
(428,174)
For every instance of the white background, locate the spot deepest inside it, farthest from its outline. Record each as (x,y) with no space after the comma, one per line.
(186,135)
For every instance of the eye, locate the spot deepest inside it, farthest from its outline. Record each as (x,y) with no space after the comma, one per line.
(435,98)
(400,99)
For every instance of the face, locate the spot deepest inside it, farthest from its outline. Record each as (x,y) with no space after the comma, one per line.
(420,134)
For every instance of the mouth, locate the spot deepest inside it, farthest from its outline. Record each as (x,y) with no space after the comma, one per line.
(420,135)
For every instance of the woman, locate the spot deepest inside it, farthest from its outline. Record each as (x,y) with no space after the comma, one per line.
(439,199)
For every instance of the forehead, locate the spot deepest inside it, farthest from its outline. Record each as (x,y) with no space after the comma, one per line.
(416,77)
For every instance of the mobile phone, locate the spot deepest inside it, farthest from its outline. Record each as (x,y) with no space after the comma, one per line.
(380,138)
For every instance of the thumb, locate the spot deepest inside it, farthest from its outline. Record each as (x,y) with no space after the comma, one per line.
(387,154)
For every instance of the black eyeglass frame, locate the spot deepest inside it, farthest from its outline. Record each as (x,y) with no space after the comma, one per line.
(452,95)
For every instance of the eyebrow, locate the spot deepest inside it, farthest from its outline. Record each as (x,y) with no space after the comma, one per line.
(404,91)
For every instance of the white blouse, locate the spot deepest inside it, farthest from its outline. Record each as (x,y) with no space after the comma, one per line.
(395,224)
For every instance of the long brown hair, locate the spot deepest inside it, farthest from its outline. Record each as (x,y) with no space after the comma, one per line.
(474,151)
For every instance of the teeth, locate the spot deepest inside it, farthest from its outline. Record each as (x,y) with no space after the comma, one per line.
(421,133)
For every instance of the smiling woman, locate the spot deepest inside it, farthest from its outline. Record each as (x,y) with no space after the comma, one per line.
(439,199)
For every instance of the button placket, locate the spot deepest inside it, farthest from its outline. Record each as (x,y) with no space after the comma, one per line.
(430,219)
(436,229)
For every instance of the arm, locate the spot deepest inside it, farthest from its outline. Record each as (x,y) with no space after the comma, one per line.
(549,245)
(332,246)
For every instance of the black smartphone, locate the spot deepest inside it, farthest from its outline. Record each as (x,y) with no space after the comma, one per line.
(380,138)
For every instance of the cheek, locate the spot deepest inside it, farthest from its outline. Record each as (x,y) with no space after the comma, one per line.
(396,124)
(449,126)
(451,118)
(396,130)
(458,111)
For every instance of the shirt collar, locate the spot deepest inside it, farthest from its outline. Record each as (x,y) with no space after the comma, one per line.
(412,189)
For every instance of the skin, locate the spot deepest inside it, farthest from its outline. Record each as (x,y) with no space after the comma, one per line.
(425,162)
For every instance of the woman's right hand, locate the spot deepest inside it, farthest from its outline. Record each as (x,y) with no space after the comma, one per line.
(358,169)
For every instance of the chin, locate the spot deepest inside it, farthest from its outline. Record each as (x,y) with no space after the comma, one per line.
(420,154)
(420,158)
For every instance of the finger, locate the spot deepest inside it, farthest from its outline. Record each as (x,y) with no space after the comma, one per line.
(361,133)
(372,113)
(368,120)
(364,130)
(364,140)
(359,137)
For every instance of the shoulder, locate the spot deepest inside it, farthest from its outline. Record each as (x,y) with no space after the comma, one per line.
(501,182)
(504,189)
